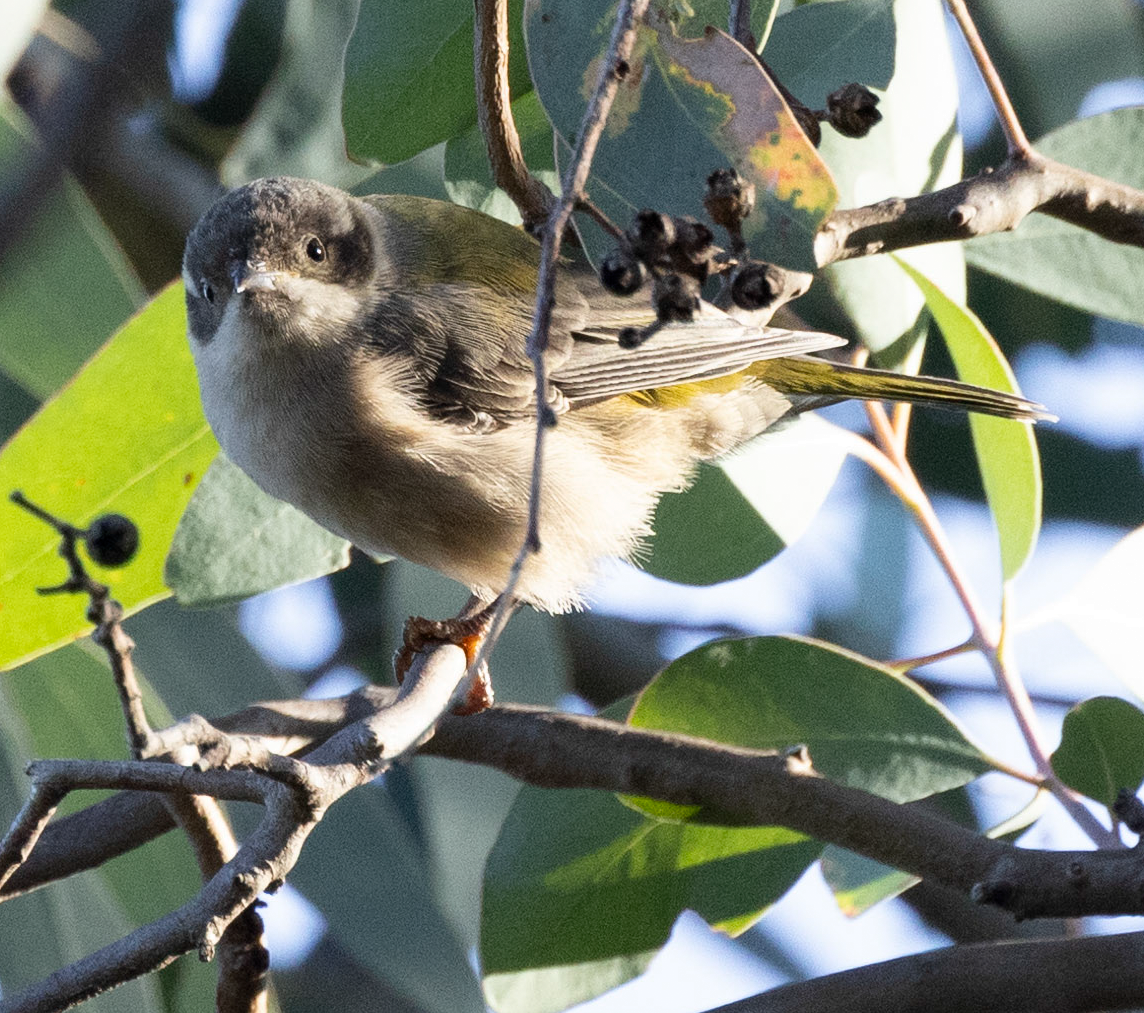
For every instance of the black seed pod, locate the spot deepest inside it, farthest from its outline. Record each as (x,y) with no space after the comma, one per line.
(729,198)
(853,110)
(621,272)
(755,285)
(676,298)
(650,234)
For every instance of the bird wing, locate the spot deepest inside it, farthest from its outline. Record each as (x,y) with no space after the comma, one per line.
(712,345)
(462,304)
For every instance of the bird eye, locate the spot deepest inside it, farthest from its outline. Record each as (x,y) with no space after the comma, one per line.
(206,290)
(315,250)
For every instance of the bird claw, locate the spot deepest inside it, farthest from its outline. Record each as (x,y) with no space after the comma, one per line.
(467,633)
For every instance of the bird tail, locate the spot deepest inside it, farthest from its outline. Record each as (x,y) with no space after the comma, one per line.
(823,382)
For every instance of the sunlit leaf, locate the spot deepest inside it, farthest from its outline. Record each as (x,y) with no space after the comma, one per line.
(1062,261)
(579,889)
(409,76)
(1006,450)
(123,436)
(688,107)
(1102,748)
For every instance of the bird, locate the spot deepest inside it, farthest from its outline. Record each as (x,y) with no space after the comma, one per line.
(364,359)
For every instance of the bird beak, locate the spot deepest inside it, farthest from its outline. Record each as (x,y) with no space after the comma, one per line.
(253,276)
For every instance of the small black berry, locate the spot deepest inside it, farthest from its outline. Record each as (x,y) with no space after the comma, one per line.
(112,540)
(853,110)
(729,198)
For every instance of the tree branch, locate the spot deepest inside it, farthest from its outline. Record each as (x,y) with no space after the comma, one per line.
(733,785)
(494,112)
(992,201)
(1030,976)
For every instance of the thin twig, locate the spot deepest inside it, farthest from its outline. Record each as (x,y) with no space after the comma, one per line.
(893,467)
(613,70)
(908,664)
(1018,143)
(739,25)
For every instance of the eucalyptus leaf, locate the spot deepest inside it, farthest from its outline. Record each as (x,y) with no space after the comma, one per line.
(748,508)
(65,286)
(123,436)
(1102,748)
(864,725)
(580,890)
(1064,262)
(688,107)
(1006,449)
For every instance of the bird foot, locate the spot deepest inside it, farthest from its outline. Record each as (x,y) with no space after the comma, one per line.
(468,633)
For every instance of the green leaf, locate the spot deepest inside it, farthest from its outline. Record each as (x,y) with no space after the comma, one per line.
(1106,610)
(865,726)
(296,127)
(747,509)
(65,286)
(409,76)
(838,43)
(1006,449)
(580,889)
(126,435)
(693,104)
(818,47)
(1102,748)
(1062,261)
(235,541)
(709,534)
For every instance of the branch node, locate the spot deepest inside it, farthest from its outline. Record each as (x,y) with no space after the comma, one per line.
(998,892)
(962,215)
(1076,873)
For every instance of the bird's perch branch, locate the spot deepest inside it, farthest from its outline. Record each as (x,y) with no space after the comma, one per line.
(556,751)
